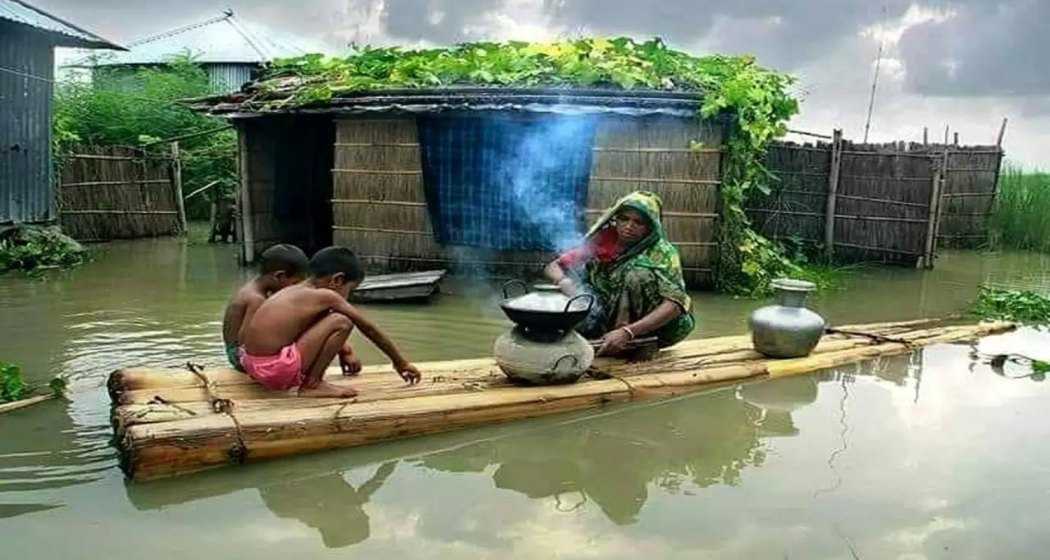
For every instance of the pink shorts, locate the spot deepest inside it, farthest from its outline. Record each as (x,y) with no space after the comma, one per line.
(279,372)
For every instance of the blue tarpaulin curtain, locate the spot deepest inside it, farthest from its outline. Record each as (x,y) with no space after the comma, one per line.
(505,181)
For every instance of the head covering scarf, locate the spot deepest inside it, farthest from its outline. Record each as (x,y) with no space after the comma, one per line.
(654,253)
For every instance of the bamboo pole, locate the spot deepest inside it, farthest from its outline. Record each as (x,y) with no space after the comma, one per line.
(931,224)
(247,228)
(191,437)
(176,186)
(15,405)
(833,187)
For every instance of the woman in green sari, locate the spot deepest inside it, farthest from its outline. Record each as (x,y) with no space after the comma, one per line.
(635,274)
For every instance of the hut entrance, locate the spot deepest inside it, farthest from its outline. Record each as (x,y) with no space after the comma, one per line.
(507,181)
(286,182)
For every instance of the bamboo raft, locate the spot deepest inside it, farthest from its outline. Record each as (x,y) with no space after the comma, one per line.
(171,422)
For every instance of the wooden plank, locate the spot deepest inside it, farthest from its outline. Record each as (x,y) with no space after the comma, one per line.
(881,219)
(378,171)
(120,212)
(708,182)
(104,183)
(395,287)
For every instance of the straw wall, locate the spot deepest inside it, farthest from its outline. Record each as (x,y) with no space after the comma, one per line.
(379,207)
(655,154)
(112,192)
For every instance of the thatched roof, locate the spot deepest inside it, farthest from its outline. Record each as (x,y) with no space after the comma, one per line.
(465,98)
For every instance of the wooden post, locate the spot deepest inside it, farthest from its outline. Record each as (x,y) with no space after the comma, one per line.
(925,136)
(956,142)
(833,187)
(1002,131)
(933,218)
(176,187)
(247,233)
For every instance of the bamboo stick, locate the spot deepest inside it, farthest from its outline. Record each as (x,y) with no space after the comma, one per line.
(15,405)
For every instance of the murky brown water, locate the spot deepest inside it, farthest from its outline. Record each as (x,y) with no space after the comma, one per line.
(923,456)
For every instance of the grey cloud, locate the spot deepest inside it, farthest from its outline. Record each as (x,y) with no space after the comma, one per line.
(987,49)
(437,21)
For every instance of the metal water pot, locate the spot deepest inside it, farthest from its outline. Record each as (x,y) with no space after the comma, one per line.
(559,357)
(788,329)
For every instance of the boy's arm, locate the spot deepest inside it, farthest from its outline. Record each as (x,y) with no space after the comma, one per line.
(404,368)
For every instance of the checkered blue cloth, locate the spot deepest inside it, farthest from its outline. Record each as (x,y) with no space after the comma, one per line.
(507,181)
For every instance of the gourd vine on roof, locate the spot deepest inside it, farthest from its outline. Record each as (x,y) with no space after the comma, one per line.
(755,98)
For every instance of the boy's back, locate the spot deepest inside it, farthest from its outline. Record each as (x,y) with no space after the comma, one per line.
(280,266)
(247,297)
(284,316)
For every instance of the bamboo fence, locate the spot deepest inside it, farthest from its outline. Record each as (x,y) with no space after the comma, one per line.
(115,192)
(895,202)
(170,422)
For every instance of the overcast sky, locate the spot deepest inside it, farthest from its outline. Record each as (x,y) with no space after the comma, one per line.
(963,63)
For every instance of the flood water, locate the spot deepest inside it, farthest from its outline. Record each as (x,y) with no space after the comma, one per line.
(931,455)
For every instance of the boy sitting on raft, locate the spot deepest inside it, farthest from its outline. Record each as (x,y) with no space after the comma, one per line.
(299,331)
(281,266)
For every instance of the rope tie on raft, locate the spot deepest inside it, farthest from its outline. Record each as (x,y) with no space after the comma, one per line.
(239,451)
(876,338)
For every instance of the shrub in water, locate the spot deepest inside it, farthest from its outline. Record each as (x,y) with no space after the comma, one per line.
(32,247)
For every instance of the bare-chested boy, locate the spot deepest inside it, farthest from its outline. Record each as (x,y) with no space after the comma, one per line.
(280,266)
(297,332)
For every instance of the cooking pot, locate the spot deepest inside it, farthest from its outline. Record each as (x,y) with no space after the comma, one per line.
(545,308)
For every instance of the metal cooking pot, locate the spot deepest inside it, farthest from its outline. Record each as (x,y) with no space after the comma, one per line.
(546,308)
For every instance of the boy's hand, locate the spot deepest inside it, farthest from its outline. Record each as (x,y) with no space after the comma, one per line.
(348,362)
(408,372)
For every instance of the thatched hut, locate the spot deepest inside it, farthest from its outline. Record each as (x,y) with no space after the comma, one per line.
(467,177)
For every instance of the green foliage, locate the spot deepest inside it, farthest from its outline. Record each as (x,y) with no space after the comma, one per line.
(135,107)
(12,387)
(754,98)
(31,248)
(58,386)
(1022,213)
(1040,367)
(1011,305)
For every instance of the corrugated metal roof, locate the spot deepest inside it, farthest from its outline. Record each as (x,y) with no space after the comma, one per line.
(223,39)
(70,35)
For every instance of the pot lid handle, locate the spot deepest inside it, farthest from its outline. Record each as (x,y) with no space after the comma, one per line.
(515,282)
(590,302)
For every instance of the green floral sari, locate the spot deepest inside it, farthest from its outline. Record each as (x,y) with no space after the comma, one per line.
(639,279)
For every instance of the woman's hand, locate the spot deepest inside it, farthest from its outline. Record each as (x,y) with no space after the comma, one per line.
(614,342)
(567,286)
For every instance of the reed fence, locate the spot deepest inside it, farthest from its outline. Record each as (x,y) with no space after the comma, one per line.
(117,192)
(894,202)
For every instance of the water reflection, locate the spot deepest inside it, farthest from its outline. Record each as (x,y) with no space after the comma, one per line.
(328,504)
(615,460)
(614,463)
